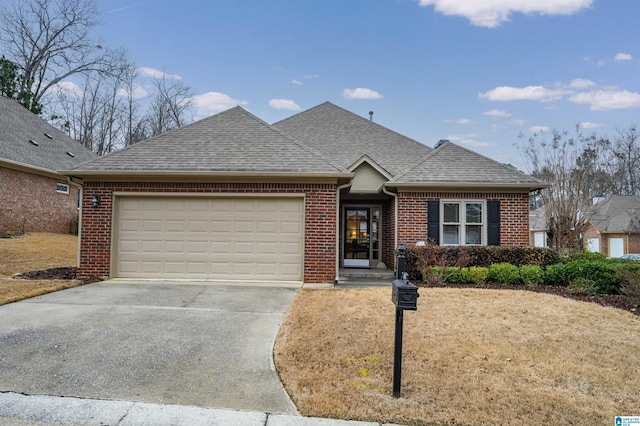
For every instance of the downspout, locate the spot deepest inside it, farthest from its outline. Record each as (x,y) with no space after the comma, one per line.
(395,222)
(340,187)
(80,197)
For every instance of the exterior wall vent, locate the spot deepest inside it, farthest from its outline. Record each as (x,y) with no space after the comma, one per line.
(34,142)
(70,154)
(48,136)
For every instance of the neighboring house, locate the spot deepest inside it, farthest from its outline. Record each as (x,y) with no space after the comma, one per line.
(33,195)
(231,197)
(538,229)
(614,226)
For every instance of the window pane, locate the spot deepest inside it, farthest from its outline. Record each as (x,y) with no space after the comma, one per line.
(451,213)
(474,213)
(473,234)
(450,234)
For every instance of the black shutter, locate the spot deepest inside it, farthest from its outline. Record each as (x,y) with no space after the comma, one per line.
(493,215)
(433,221)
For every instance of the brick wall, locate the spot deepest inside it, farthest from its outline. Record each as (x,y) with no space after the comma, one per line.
(631,240)
(30,203)
(514,214)
(320,210)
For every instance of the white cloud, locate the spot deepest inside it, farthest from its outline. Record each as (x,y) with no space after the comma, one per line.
(497,113)
(529,93)
(138,92)
(581,83)
(213,102)
(361,93)
(623,57)
(154,73)
(469,140)
(491,13)
(294,81)
(68,88)
(590,125)
(519,122)
(603,100)
(463,121)
(538,129)
(283,104)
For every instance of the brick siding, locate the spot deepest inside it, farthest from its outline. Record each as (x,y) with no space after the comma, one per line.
(29,202)
(631,240)
(320,220)
(514,214)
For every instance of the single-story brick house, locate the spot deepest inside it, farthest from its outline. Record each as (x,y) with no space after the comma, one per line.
(231,197)
(33,195)
(614,226)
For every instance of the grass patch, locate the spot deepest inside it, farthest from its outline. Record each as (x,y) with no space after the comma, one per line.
(471,356)
(33,252)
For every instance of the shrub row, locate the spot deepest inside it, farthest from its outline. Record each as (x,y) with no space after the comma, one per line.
(589,276)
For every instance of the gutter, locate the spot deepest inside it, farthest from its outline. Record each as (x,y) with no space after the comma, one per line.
(395,230)
(340,187)
(71,181)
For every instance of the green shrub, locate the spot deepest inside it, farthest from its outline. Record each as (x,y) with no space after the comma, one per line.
(629,273)
(458,275)
(592,276)
(478,274)
(504,273)
(556,275)
(433,275)
(586,255)
(531,275)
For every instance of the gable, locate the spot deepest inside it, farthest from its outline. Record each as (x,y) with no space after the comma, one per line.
(617,213)
(344,137)
(367,179)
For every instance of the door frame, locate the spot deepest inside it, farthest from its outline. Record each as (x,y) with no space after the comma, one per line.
(344,239)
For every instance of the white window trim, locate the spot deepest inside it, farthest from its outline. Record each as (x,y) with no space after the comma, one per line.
(60,185)
(462,223)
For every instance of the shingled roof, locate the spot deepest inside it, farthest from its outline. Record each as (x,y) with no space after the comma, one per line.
(452,165)
(231,142)
(617,213)
(344,137)
(29,142)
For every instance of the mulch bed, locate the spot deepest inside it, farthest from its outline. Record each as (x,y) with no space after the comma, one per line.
(618,301)
(56,274)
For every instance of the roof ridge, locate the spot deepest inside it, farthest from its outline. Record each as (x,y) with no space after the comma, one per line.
(291,138)
(357,116)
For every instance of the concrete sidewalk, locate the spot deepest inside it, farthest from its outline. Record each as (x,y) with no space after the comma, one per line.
(21,410)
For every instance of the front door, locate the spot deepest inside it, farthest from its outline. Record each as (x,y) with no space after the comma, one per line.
(361,240)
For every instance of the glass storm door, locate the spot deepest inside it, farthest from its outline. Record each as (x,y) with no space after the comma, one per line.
(356,239)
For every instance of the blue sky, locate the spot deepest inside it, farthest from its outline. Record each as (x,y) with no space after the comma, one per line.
(478,73)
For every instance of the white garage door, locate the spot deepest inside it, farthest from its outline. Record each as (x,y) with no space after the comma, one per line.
(209,238)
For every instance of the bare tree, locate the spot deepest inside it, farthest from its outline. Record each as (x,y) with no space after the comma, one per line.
(170,106)
(50,40)
(569,164)
(625,161)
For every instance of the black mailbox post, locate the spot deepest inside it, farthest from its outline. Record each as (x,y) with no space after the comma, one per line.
(405,296)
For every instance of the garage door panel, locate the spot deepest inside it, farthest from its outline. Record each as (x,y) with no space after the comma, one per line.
(216,238)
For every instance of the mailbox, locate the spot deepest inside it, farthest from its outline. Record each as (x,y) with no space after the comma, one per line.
(404,295)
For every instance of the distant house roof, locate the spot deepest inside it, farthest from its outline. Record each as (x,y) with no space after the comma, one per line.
(344,137)
(617,213)
(29,142)
(231,142)
(452,165)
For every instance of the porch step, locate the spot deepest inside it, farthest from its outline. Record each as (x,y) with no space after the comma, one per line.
(365,278)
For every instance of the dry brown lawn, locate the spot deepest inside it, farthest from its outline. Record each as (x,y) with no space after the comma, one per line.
(471,357)
(33,252)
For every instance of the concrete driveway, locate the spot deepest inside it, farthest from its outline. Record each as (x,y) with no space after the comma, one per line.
(191,344)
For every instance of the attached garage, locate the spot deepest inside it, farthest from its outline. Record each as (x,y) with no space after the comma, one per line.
(208,237)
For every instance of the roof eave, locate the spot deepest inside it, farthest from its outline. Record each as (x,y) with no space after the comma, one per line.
(120,175)
(29,168)
(467,185)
